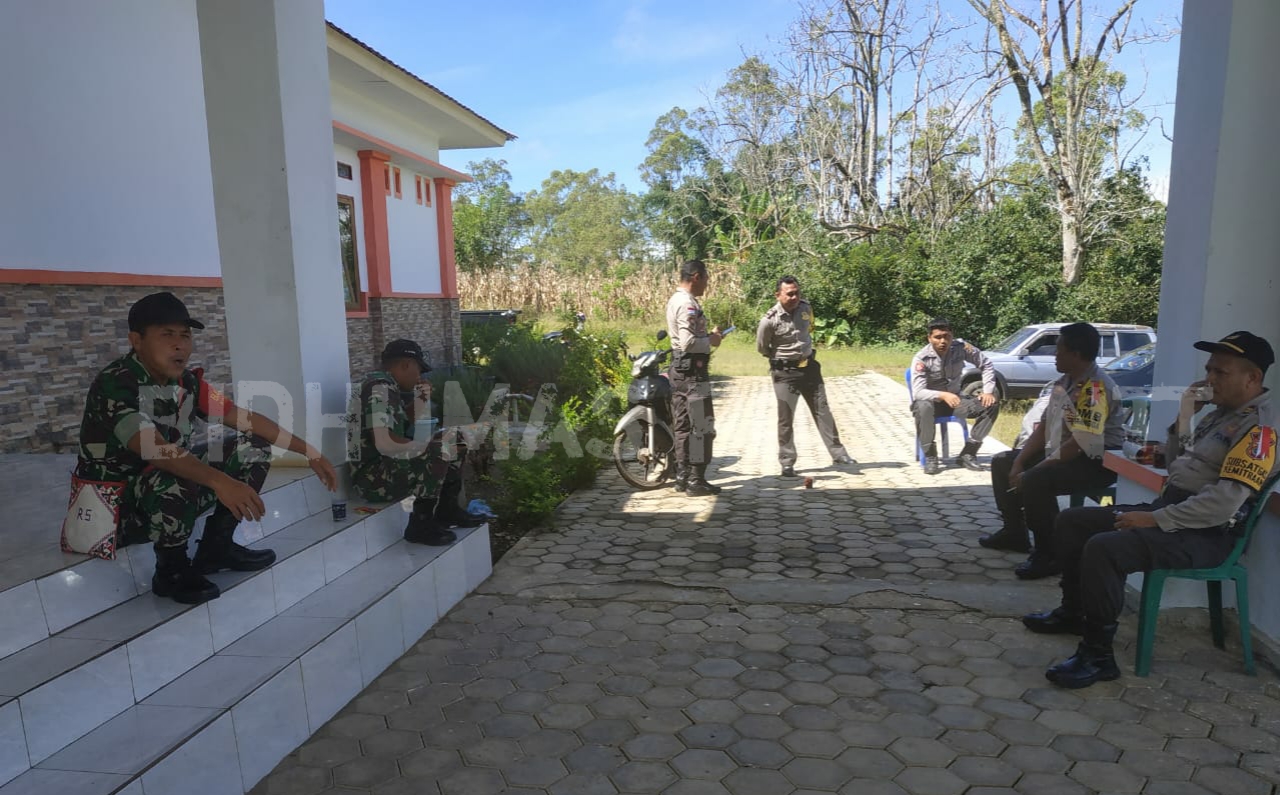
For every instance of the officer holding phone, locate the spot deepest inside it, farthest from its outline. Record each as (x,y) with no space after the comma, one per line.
(784,338)
(691,409)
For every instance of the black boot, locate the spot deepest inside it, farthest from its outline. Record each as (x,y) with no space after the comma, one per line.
(448,512)
(175,579)
(698,485)
(968,457)
(682,477)
(1058,621)
(1008,539)
(217,550)
(424,528)
(931,463)
(1094,660)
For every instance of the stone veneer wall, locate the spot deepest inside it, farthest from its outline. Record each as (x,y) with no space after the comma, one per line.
(60,336)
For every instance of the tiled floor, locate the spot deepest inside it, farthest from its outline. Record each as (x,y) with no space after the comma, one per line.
(852,638)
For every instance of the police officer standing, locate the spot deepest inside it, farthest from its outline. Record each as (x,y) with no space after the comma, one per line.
(694,415)
(783,338)
(935,392)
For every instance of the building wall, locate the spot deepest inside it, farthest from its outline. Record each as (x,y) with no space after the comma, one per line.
(411,232)
(62,335)
(107,150)
(354,106)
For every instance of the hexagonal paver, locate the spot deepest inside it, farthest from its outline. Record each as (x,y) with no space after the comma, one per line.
(391,743)
(709,735)
(365,772)
(703,764)
(1106,777)
(329,751)
(870,763)
(534,771)
(805,742)
(922,752)
(643,777)
(471,780)
(985,772)
(930,781)
(758,782)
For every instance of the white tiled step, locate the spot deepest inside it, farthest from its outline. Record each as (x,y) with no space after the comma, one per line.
(225,723)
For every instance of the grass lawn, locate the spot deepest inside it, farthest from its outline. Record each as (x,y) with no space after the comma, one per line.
(737,356)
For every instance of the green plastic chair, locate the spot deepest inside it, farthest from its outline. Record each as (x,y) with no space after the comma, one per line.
(1230,569)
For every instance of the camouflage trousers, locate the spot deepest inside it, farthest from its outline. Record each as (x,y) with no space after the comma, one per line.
(163,508)
(387,479)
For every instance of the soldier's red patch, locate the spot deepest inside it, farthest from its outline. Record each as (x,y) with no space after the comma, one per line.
(919,367)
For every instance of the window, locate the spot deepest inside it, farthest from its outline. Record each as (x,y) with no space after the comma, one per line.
(1107,346)
(1046,345)
(426,191)
(344,171)
(397,177)
(386,177)
(348,252)
(1131,340)
(417,183)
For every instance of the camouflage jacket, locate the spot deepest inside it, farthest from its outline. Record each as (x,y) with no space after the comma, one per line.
(377,404)
(123,400)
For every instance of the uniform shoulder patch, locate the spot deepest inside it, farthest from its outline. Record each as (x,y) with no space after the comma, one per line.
(919,367)
(1251,460)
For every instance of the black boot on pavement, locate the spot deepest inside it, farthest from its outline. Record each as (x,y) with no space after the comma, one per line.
(217,549)
(1058,621)
(968,457)
(1094,660)
(1007,539)
(698,485)
(175,579)
(931,464)
(682,477)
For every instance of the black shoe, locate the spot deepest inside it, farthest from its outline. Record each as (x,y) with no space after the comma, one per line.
(177,580)
(788,472)
(453,516)
(1034,568)
(701,488)
(429,533)
(1054,622)
(217,550)
(1090,663)
(969,461)
(842,460)
(931,465)
(682,478)
(1006,539)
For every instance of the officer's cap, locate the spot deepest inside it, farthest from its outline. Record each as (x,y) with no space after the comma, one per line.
(160,309)
(1244,344)
(405,349)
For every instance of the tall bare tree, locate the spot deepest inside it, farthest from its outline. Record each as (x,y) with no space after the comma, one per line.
(1058,76)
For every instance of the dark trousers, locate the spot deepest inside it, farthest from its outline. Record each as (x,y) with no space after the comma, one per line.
(1035,504)
(1096,558)
(789,386)
(928,411)
(694,417)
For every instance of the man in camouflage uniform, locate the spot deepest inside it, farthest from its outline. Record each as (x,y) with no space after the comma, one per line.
(1215,474)
(390,463)
(784,338)
(935,392)
(693,414)
(137,429)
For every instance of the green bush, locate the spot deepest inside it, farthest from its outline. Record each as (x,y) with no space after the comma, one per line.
(525,361)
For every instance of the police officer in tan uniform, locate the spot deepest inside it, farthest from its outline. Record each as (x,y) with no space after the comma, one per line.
(693,414)
(1215,473)
(783,338)
(935,392)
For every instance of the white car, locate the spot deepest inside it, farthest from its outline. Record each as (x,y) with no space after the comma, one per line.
(1024,361)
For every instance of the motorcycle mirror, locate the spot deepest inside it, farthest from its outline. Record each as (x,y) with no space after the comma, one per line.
(662,335)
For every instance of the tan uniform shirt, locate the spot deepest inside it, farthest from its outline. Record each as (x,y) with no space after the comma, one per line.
(931,374)
(786,335)
(1224,463)
(686,324)
(1089,410)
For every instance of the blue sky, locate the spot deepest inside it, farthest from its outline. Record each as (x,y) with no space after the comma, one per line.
(581,83)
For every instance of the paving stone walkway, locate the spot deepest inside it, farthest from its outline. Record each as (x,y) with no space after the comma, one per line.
(852,638)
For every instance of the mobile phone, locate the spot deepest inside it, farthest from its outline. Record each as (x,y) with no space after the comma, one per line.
(725,332)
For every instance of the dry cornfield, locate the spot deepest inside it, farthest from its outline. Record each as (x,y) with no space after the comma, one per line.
(607,297)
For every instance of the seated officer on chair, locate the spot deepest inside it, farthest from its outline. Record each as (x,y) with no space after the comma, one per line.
(1214,473)
(1063,455)
(391,464)
(935,392)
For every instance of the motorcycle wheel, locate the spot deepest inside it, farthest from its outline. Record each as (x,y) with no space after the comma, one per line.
(630,448)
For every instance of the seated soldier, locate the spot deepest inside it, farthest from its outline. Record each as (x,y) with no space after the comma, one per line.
(935,392)
(1215,473)
(390,464)
(1063,455)
(137,429)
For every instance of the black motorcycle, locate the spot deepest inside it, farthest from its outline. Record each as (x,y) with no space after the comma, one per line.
(643,443)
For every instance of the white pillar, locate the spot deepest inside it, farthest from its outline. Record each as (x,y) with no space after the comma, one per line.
(1222,240)
(266,82)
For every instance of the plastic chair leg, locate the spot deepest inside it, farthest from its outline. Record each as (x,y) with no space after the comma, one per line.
(1148,612)
(1215,613)
(1242,611)
(942,433)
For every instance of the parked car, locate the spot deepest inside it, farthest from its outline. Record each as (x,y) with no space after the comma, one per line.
(479,317)
(1024,360)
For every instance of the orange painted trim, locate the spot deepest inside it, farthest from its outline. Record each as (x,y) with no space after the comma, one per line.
(390,147)
(364,313)
(444,236)
(95,278)
(377,246)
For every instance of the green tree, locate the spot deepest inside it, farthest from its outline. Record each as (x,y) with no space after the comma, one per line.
(489,219)
(581,221)
(680,207)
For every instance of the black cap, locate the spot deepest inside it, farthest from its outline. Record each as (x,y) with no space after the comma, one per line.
(1244,344)
(405,349)
(160,309)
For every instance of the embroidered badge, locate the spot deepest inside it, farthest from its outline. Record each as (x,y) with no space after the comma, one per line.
(1251,460)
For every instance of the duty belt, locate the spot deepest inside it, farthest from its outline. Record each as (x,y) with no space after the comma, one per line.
(790,364)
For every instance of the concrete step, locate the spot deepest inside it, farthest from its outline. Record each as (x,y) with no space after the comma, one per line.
(342,602)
